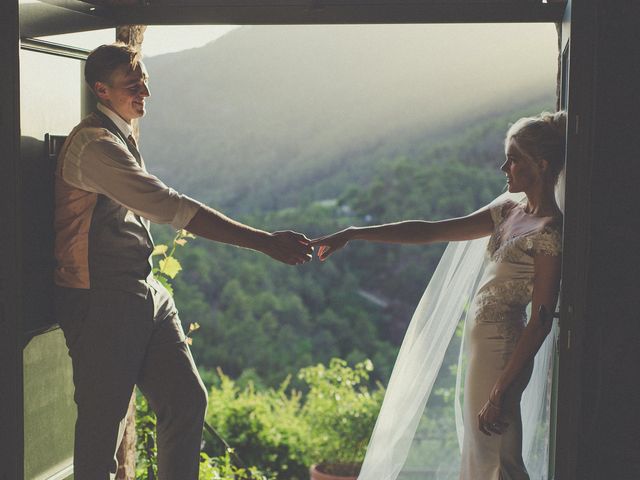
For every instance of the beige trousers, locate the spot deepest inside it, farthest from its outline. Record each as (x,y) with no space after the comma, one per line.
(118,340)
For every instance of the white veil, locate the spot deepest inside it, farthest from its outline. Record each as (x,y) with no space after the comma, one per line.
(405,432)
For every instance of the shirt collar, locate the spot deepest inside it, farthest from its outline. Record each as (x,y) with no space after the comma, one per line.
(123,126)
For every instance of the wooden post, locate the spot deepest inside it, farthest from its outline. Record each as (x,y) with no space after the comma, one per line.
(132,35)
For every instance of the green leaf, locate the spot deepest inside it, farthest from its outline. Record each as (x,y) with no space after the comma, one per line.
(165,281)
(159,250)
(368,365)
(170,266)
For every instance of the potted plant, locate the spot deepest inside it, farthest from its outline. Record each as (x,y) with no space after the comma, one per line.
(340,411)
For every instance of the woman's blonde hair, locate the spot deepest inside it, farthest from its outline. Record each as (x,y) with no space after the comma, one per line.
(542,137)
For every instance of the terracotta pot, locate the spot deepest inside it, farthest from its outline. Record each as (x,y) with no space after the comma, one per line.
(318,475)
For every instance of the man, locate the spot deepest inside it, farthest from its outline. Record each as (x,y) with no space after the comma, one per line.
(121,325)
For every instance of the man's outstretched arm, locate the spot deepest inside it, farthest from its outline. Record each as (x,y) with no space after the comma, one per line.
(288,247)
(108,168)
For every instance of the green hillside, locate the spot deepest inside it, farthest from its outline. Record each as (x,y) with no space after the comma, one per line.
(262,320)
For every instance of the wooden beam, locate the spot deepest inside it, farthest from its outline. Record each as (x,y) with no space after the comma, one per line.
(131,35)
(351,12)
(65,16)
(53,17)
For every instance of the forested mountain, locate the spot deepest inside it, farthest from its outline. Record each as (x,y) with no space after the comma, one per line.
(264,320)
(314,129)
(269,116)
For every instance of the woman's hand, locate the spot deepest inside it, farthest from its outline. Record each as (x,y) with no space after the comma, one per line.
(490,417)
(331,243)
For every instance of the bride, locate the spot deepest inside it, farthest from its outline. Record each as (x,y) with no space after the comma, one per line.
(492,281)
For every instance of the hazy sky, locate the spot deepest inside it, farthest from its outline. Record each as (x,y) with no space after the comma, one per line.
(157,39)
(161,39)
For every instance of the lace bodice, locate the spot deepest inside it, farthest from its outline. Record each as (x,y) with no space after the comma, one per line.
(506,286)
(547,241)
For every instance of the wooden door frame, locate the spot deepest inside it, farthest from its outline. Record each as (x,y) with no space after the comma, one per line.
(11,413)
(577,36)
(576,233)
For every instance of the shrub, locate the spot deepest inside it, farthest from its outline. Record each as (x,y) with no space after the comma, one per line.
(340,413)
(223,468)
(263,426)
(281,432)
(146,448)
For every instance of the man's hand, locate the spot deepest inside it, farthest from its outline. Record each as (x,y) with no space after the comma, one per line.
(288,247)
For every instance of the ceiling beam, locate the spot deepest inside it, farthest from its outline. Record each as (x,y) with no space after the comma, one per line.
(50,17)
(338,12)
(54,17)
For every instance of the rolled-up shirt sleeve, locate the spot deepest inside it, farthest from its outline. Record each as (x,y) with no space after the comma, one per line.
(102,164)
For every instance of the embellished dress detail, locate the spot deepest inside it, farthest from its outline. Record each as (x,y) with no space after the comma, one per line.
(497,318)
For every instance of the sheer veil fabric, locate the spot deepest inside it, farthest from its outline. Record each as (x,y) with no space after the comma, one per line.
(442,307)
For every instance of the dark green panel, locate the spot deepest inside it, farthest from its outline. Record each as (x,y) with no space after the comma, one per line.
(49,410)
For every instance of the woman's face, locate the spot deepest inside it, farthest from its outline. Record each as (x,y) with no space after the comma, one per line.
(523,173)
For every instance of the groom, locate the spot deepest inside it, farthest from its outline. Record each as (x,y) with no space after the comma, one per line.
(121,325)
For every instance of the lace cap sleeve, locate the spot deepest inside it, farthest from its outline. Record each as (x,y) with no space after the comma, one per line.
(499,211)
(547,242)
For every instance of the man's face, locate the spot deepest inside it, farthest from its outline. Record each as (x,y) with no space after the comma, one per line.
(126,91)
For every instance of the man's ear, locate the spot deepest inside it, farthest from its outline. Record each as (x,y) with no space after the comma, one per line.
(101,90)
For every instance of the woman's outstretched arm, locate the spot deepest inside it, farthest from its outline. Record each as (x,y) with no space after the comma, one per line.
(478,224)
(546,284)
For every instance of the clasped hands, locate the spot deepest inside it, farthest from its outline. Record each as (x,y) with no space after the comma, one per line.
(295,248)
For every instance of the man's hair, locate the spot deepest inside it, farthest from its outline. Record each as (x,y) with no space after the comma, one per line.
(104,60)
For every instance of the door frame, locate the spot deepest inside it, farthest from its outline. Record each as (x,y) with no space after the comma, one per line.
(575,34)
(578,49)
(11,413)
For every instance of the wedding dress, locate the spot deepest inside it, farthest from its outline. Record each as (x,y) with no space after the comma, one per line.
(489,283)
(497,318)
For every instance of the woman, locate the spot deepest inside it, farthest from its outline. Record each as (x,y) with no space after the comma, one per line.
(522,267)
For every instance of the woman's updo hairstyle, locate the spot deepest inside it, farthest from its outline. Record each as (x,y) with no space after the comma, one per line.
(542,137)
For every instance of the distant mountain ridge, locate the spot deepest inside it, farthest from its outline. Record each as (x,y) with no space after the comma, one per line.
(265,111)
